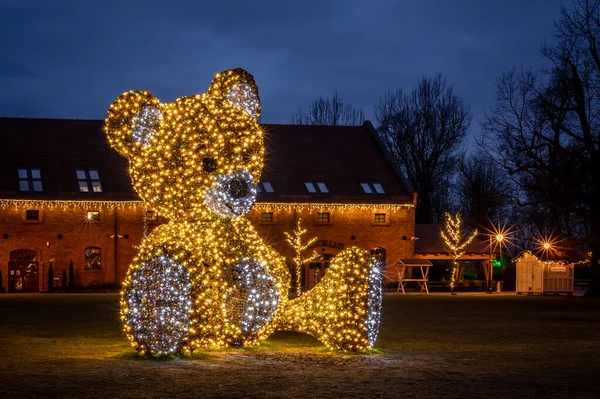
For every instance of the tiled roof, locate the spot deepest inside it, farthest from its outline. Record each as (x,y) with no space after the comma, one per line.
(430,241)
(340,156)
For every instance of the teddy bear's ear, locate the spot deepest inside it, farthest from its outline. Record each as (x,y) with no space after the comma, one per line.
(133,119)
(238,87)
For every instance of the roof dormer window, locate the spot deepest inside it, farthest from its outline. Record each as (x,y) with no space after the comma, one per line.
(30,180)
(318,187)
(310,187)
(88,181)
(370,188)
(322,187)
(265,187)
(378,188)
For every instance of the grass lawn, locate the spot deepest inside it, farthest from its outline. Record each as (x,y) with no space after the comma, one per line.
(434,346)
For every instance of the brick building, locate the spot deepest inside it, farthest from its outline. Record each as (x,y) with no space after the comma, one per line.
(65,196)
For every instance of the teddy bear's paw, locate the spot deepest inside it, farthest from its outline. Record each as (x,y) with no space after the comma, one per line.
(253,298)
(157,307)
(231,194)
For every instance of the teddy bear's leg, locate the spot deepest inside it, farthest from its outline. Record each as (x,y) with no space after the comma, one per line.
(156,306)
(343,309)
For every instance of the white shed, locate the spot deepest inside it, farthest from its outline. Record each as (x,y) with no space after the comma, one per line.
(543,276)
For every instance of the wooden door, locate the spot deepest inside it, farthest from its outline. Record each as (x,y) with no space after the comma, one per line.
(23,271)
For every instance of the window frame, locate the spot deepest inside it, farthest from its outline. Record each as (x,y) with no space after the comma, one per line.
(367,189)
(88,181)
(378,188)
(310,187)
(375,217)
(319,220)
(270,220)
(322,187)
(267,187)
(85,260)
(30,180)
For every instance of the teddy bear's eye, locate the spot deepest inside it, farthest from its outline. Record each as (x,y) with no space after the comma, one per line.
(209,165)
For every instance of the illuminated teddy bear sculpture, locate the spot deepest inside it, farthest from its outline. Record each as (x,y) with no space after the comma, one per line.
(206,278)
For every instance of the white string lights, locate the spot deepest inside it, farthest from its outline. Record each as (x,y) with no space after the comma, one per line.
(231,194)
(253,298)
(157,308)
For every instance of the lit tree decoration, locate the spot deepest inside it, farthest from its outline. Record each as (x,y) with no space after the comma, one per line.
(295,241)
(206,278)
(455,241)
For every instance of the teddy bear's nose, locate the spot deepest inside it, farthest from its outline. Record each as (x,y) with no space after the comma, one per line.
(238,188)
(231,194)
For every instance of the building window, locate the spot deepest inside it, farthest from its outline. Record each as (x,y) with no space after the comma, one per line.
(266,217)
(93,216)
(32,215)
(88,181)
(380,218)
(378,188)
(322,187)
(30,180)
(323,218)
(316,187)
(370,188)
(151,216)
(92,258)
(310,187)
(265,187)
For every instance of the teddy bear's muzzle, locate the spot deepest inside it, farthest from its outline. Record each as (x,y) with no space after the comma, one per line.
(231,194)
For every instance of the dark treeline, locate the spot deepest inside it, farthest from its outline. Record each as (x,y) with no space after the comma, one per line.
(537,162)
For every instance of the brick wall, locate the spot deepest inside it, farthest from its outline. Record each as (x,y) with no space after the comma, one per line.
(76,233)
(347,228)
(353,227)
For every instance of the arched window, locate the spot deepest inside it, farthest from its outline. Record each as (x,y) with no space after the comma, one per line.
(92,258)
(380,255)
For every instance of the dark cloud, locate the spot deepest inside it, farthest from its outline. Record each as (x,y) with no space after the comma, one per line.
(71,59)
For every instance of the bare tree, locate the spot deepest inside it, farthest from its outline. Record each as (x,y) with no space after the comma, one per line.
(424,130)
(456,241)
(297,243)
(330,112)
(483,191)
(545,130)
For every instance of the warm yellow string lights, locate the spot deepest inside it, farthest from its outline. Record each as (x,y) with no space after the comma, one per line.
(72,204)
(206,278)
(295,241)
(456,242)
(290,206)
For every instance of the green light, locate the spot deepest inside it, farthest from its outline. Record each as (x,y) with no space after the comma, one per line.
(497,263)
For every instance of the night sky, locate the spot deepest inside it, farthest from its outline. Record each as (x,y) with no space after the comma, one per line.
(71,59)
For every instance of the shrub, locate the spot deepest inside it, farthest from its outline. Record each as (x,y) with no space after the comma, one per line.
(71,274)
(50,279)
(64,280)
